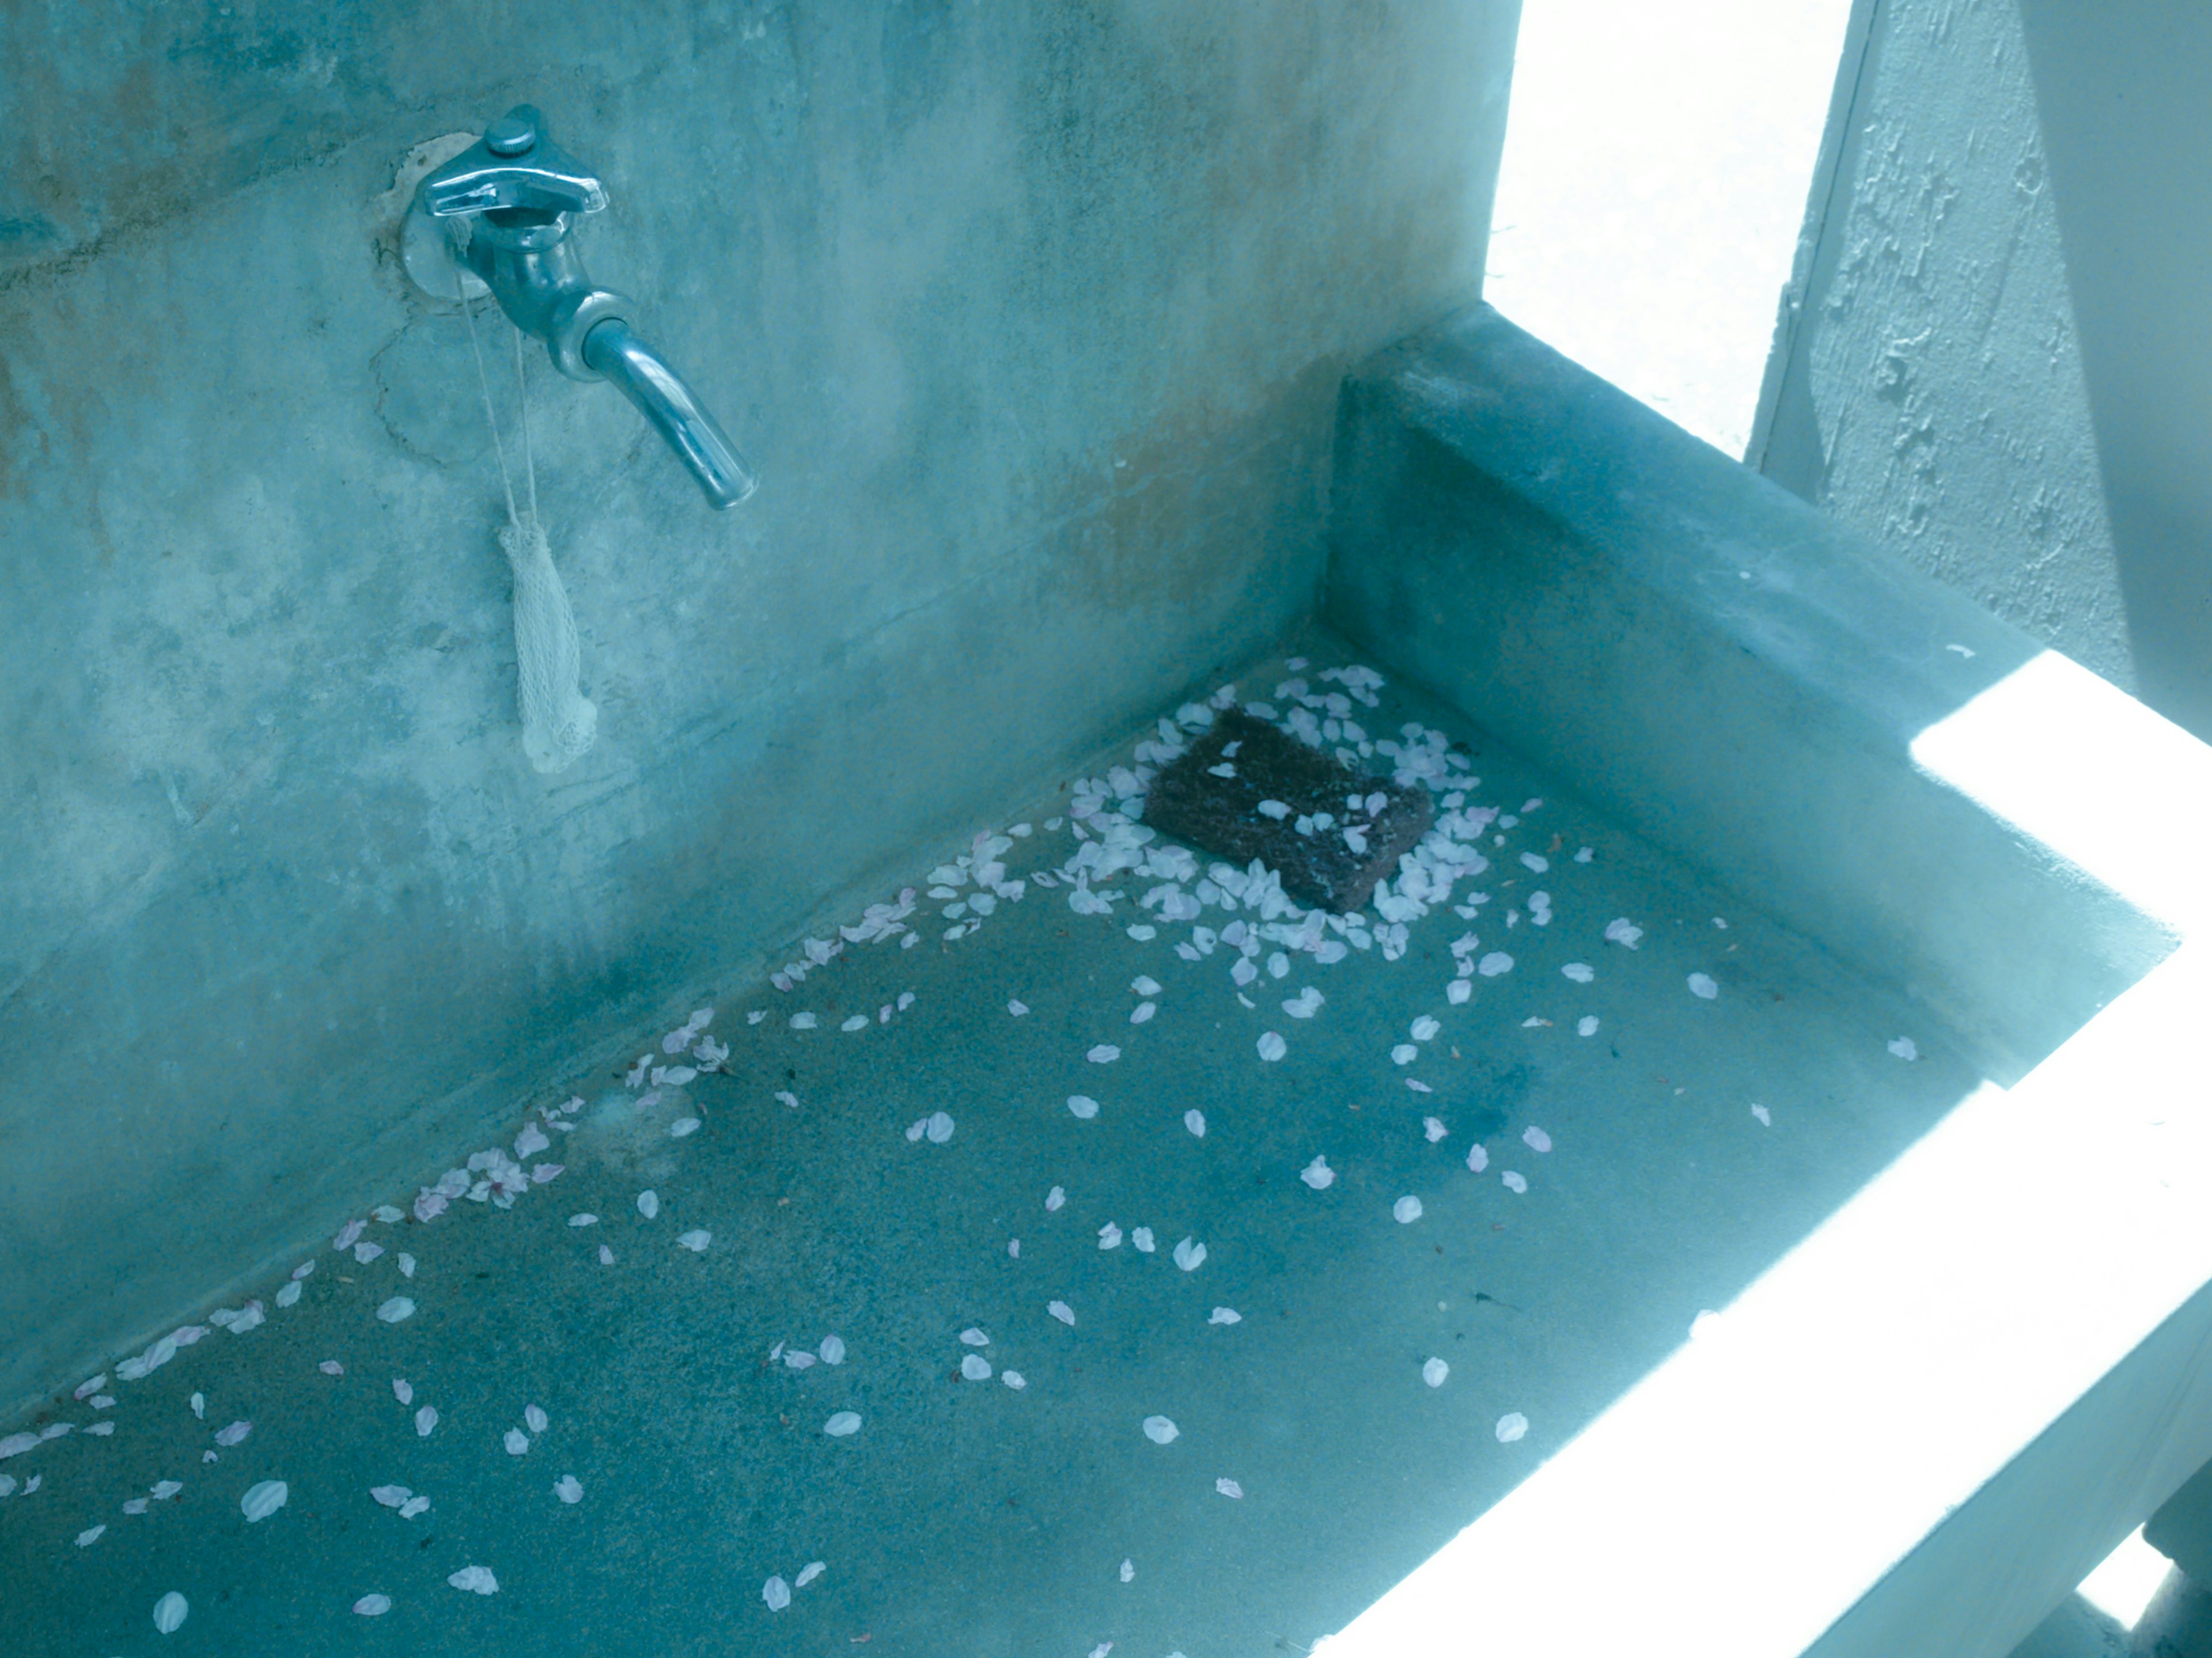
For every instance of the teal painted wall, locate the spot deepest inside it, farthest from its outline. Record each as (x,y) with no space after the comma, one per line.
(1032,318)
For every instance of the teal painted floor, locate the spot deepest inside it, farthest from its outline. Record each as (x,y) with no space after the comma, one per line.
(964,1515)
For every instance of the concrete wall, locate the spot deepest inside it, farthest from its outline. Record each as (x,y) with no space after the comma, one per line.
(2002,362)
(1032,317)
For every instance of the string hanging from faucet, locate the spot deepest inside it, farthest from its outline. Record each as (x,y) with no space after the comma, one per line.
(559,723)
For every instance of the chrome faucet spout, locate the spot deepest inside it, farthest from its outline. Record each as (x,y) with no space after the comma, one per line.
(512,198)
(667,405)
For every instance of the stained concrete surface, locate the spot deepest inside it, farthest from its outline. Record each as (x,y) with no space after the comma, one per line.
(1032,318)
(963,1514)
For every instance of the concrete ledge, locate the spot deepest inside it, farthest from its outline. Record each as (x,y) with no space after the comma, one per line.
(1921,1427)
(1723,667)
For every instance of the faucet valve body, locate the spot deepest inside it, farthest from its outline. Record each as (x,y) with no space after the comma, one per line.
(512,199)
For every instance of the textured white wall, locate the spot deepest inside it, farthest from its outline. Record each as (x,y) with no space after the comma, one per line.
(1935,395)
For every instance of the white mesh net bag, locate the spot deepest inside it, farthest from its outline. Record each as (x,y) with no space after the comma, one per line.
(559,722)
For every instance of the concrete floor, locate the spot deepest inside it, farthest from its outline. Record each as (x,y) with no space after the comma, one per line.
(964,1509)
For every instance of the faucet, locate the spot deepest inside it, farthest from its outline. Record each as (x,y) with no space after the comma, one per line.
(497,217)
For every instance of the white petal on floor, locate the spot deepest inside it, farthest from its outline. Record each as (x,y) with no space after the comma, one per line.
(1763,1114)
(170,1612)
(1142,1013)
(1083,1106)
(974,1337)
(1536,1138)
(1514,1182)
(1512,1426)
(940,1127)
(136,1505)
(1054,1198)
(1496,962)
(1459,993)
(1272,1047)
(1435,1371)
(1425,1029)
(1128,1572)
(1145,985)
(234,1435)
(517,1442)
(397,1309)
(606,1256)
(163,1490)
(1195,1121)
(1404,1053)
(808,1573)
(289,1295)
(85,1539)
(1142,1238)
(1434,1129)
(683,1127)
(1586,1026)
(1014,1247)
(695,1240)
(833,1349)
(1407,1210)
(1013,1379)
(1622,931)
(1581,972)
(413,1506)
(1224,1315)
(569,1488)
(1904,1048)
(648,1203)
(425,1420)
(407,1261)
(373,1606)
(803,1022)
(475,1580)
(533,1418)
(1318,1174)
(403,1390)
(263,1500)
(1160,1430)
(1702,985)
(858,1022)
(199,1406)
(916,1130)
(798,1360)
(843,1425)
(1229,1488)
(1109,1236)
(1062,1311)
(974,1367)
(1190,1256)
(784,1096)
(390,1496)
(1017,1008)
(1103,1053)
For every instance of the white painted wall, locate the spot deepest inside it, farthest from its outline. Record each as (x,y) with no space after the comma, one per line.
(1656,158)
(2001,368)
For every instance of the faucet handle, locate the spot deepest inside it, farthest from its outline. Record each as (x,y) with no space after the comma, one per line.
(513,165)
